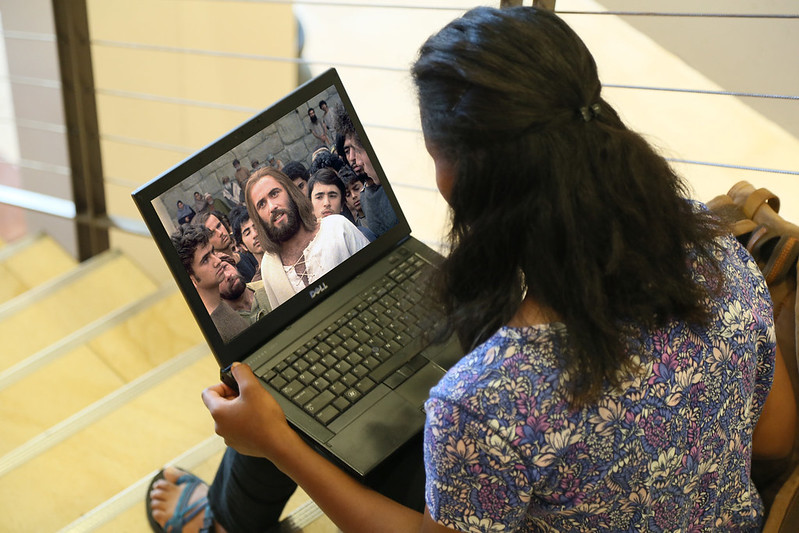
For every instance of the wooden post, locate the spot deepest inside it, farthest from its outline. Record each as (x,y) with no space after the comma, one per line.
(83,133)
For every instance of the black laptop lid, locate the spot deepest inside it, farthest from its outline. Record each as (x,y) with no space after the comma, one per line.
(282,130)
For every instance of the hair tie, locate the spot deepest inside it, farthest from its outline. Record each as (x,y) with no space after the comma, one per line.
(589,112)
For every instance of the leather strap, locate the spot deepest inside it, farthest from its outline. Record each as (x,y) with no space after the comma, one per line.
(756,200)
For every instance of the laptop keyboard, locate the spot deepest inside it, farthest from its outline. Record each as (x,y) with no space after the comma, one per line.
(376,339)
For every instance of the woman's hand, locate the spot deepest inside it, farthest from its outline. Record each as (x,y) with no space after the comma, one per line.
(252,423)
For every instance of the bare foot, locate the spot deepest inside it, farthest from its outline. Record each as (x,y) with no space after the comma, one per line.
(164,498)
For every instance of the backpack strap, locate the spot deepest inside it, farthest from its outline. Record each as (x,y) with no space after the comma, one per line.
(751,200)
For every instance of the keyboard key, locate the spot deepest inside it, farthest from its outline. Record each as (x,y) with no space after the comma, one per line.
(341,403)
(364,350)
(402,339)
(304,396)
(320,384)
(348,379)
(338,353)
(351,344)
(278,382)
(353,358)
(306,378)
(338,388)
(353,395)
(317,369)
(327,415)
(343,367)
(299,352)
(316,404)
(359,371)
(334,340)
(392,347)
(371,362)
(362,336)
(292,388)
(397,326)
(331,375)
(380,353)
(365,385)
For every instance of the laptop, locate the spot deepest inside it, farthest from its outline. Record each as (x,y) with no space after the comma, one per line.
(344,356)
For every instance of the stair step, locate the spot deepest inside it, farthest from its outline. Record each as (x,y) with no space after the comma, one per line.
(29,262)
(126,510)
(90,457)
(88,365)
(43,315)
(94,399)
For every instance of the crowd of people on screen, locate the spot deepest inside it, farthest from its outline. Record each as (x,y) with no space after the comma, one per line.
(280,227)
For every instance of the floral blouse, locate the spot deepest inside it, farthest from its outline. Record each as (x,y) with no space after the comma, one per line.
(667,450)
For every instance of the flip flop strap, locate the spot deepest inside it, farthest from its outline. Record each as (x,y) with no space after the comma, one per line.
(184,513)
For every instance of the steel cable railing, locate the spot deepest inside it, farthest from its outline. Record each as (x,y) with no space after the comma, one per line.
(311,61)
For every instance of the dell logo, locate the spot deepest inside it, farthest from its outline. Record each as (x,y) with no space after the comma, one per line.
(318,290)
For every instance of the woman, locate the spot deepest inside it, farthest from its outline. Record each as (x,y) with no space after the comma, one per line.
(185,213)
(621,345)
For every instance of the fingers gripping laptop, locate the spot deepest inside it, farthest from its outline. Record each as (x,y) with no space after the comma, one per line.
(324,300)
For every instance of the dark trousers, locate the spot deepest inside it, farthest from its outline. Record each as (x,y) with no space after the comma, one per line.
(248,493)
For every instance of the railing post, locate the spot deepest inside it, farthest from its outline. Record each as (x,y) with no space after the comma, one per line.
(545,4)
(83,135)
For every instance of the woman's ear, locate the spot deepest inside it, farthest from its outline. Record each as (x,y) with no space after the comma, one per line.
(445,171)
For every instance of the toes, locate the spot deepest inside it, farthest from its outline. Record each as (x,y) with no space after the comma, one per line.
(172,474)
(158,494)
(160,516)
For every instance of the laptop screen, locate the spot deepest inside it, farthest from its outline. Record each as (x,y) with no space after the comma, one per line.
(249,268)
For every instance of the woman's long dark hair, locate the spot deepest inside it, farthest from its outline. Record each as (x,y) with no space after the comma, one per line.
(553,196)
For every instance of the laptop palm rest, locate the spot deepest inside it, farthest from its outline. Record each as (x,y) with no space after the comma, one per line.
(389,424)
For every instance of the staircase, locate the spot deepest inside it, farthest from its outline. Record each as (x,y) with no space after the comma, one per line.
(100,381)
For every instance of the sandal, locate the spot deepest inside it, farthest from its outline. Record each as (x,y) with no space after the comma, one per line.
(183,511)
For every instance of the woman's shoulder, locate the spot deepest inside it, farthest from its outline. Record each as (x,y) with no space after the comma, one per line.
(512,353)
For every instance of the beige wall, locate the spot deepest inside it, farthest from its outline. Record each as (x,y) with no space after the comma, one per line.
(750,55)
(172,77)
(157,104)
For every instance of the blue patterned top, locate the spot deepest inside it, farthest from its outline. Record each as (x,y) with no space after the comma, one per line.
(668,450)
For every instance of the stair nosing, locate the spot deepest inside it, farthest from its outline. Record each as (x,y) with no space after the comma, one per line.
(45,289)
(99,409)
(30,364)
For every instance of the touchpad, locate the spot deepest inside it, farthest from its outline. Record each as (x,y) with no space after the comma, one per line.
(377,433)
